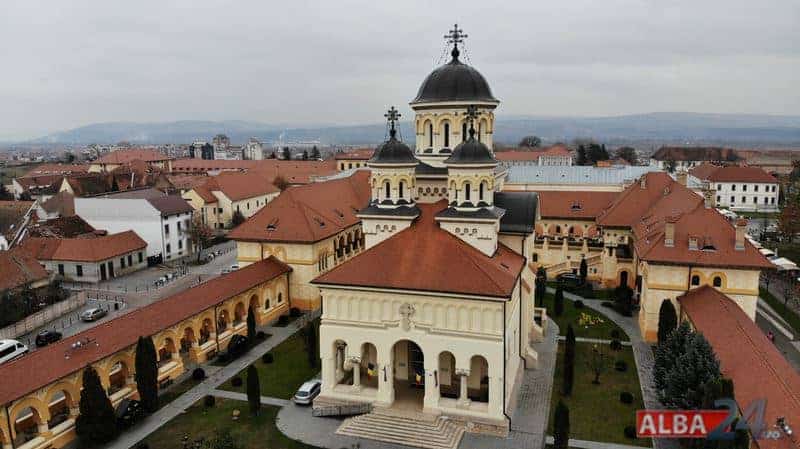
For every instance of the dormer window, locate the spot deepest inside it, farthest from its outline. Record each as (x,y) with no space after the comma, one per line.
(693,243)
(576,206)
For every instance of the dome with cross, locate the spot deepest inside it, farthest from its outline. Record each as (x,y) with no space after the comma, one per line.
(393,151)
(471,151)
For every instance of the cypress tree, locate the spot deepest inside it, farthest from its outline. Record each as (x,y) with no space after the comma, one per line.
(561,427)
(667,354)
(569,362)
(147,373)
(253,390)
(667,320)
(310,333)
(251,325)
(558,308)
(540,286)
(97,423)
(584,270)
(692,371)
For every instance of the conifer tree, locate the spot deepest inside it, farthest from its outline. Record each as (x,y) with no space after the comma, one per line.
(253,390)
(310,333)
(692,370)
(561,427)
(558,307)
(584,270)
(569,362)
(96,423)
(147,373)
(251,325)
(540,289)
(667,320)
(667,353)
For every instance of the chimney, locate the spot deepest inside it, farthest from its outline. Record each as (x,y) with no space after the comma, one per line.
(692,242)
(741,228)
(669,233)
(682,177)
(643,182)
(708,196)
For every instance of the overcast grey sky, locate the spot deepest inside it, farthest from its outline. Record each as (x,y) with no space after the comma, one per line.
(71,63)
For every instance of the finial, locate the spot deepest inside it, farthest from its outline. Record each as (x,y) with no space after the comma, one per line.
(455,37)
(392,115)
(472,114)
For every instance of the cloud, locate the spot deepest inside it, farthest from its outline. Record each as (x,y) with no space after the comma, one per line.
(71,63)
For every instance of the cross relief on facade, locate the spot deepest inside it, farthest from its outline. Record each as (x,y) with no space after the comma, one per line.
(406,311)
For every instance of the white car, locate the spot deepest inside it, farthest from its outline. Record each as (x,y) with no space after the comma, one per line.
(234,267)
(93,314)
(11,349)
(307,392)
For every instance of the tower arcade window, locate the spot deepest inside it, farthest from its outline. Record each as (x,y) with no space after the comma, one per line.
(401,189)
(387,190)
(717,281)
(430,135)
(464,131)
(466,191)
(480,192)
(447,135)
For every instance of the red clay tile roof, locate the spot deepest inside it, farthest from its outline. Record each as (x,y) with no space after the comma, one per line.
(187,181)
(238,186)
(12,214)
(567,204)
(696,154)
(746,356)
(57,169)
(533,154)
(635,201)
(732,173)
(295,172)
(308,213)
(19,268)
(62,203)
(355,155)
(425,257)
(49,364)
(61,227)
(85,249)
(128,156)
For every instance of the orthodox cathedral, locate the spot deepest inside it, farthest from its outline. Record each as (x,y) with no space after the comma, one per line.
(436,315)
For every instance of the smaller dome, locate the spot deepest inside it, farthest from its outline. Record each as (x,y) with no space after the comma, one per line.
(471,152)
(393,151)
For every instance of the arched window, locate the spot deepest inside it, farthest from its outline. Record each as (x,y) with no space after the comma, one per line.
(717,281)
(280,298)
(695,280)
(400,191)
(479,131)
(480,192)
(430,135)
(447,135)
(466,191)
(387,190)
(558,229)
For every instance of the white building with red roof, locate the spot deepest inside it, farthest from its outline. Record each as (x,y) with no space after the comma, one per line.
(741,188)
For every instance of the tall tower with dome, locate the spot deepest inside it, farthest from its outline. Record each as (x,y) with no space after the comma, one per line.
(441,103)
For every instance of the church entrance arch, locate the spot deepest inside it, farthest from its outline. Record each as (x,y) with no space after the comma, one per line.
(409,375)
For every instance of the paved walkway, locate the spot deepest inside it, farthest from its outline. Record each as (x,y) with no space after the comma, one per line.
(266,400)
(583,444)
(599,341)
(150,424)
(642,353)
(528,422)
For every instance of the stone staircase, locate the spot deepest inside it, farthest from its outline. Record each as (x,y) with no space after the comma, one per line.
(417,430)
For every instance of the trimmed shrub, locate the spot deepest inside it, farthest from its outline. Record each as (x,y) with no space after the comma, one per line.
(283,320)
(267,358)
(615,335)
(209,401)
(199,374)
(616,345)
(630,432)
(294,312)
(607,304)
(236,381)
(261,335)
(626,398)
(621,366)
(578,304)
(223,358)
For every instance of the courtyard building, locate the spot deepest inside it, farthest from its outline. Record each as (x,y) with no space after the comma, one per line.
(740,188)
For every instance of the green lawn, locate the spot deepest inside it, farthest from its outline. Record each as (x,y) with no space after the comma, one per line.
(200,422)
(285,374)
(785,312)
(601,327)
(595,411)
(175,390)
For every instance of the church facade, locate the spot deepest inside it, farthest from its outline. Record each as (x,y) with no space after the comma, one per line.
(435,316)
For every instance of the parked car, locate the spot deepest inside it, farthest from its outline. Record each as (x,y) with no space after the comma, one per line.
(569,279)
(237,346)
(11,349)
(234,267)
(128,412)
(46,337)
(307,392)
(93,314)
(225,271)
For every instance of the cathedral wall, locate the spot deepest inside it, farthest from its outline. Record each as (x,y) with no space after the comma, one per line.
(482,236)
(431,190)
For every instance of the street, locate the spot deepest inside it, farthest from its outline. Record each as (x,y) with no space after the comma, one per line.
(123,294)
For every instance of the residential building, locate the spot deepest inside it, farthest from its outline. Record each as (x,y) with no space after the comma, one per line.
(39,187)
(14,218)
(253,150)
(313,228)
(348,160)
(201,150)
(89,260)
(558,155)
(41,391)
(163,221)
(294,172)
(224,195)
(684,158)
(740,188)
(21,270)
(535,178)
(154,160)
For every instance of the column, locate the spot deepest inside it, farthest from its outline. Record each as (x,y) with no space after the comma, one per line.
(463,378)
(356,363)
(385,381)
(431,402)
(44,430)
(74,412)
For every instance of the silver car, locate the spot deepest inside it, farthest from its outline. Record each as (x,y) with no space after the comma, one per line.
(93,314)
(307,392)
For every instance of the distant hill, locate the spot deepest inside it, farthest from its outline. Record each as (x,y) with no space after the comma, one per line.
(741,129)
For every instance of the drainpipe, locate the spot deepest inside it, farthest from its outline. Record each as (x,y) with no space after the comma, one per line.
(10,429)
(521,339)
(216,328)
(508,418)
